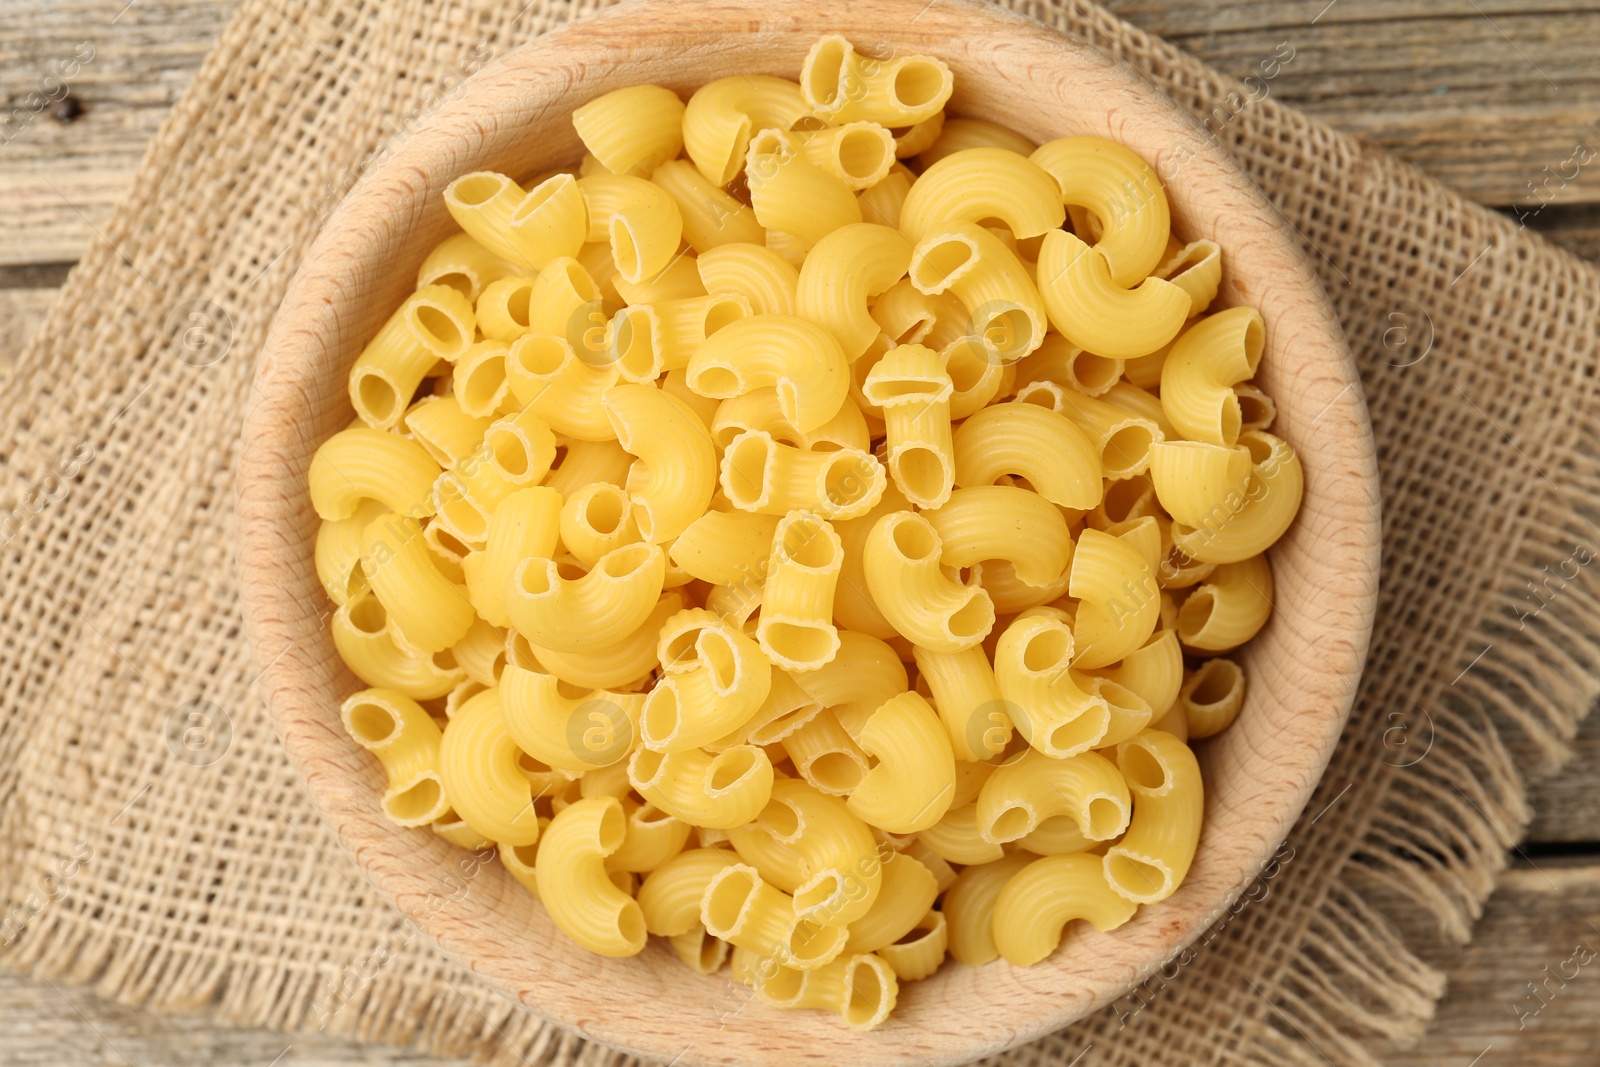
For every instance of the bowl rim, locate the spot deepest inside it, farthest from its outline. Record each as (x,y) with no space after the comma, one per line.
(272,566)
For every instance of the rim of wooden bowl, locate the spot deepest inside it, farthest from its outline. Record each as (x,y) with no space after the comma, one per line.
(1303,668)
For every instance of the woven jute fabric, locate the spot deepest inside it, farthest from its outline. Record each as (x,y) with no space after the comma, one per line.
(156,844)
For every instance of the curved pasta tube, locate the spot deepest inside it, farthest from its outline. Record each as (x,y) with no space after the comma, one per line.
(913,783)
(1193,478)
(796,200)
(517,450)
(796,629)
(565,727)
(711,218)
(968,908)
(638,218)
(881,202)
(653,838)
(967,697)
(683,325)
(595,520)
(573,883)
(706,696)
(1251,523)
(532,228)
(786,709)
(1154,672)
(1044,896)
(337,554)
(526,523)
(1196,268)
(760,409)
(960,134)
(1211,698)
(621,664)
(671,894)
(760,475)
(994,286)
(754,272)
(1026,791)
(1002,522)
(1228,608)
(671,483)
(862,988)
(586,613)
(725,547)
(908,892)
(399,732)
(433,323)
(1122,438)
(725,790)
(364,464)
(825,755)
(632,130)
(1064,363)
(481,652)
(1197,379)
(1153,857)
(777,861)
(1057,710)
(1042,447)
(1094,312)
(427,610)
(912,387)
(858,153)
(448,433)
(853,607)
(745,911)
(916,592)
(361,635)
(983,183)
(855,683)
(921,950)
(722,115)
(464,265)
(1123,192)
(479,380)
(955,837)
(547,377)
(837,852)
(841,275)
(479,766)
(1119,601)
(841,85)
(799,358)
(503,308)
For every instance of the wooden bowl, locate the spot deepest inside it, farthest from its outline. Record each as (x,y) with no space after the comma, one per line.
(514,117)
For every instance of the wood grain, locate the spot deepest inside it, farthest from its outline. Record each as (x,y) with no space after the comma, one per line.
(514,118)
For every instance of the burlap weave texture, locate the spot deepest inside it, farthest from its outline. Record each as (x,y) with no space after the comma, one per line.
(155,841)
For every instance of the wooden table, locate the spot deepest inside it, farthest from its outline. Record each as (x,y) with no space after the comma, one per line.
(1491,96)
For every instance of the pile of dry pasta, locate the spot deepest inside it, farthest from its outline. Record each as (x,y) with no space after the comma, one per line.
(793,554)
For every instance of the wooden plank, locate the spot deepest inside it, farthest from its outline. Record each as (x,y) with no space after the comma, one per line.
(21,312)
(125,67)
(1575,227)
(1539,927)
(1483,95)
(1566,807)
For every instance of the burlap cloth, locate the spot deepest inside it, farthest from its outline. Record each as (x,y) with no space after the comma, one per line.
(156,844)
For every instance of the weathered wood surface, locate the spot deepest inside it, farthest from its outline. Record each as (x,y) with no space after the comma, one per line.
(1485,94)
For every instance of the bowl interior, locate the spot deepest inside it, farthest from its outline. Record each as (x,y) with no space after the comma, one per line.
(514,117)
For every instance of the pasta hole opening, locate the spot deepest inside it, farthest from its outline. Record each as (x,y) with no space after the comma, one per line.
(525,854)
(1041,394)
(1232,417)
(915,540)
(806,542)
(820,891)
(509,452)
(973,619)
(568,691)
(1217,682)
(726,898)
(440,332)
(647,764)
(925,928)
(613,828)
(659,720)
(810,942)
(624,881)
(711,952)
(569,568)
(837,772)
(722,311)
(480,391)
(681,648)
(539,355)
(630,921)
(372,724)
(1128,498)
(716,650)
(368,615)
(1011,332)
(1195,614)
(378,398)
(460,281)
(780,820)
(799,642)
(921,473)
(784,984)
(1142,767)
(445,660)
(519,304)
(745,465)
(1106,819)
(475,190)
(536,577)
(1095,374)
(1139,878)
(605,510)
(1255,339)
(1078,734)
(942,262)
(1011,824)
(1128,447)
(848,479)
(784,725)
(1120,696)
(862,153)
(625,251)
(867,993)
(416,802)
(918,83)
(970,362)
(581,284)
(448,542)
(624,562)
(529,765)
(1261,450)
(825,71)
(1255,407)
(731,767)
(1047,650)
(906,389)
(716,381)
